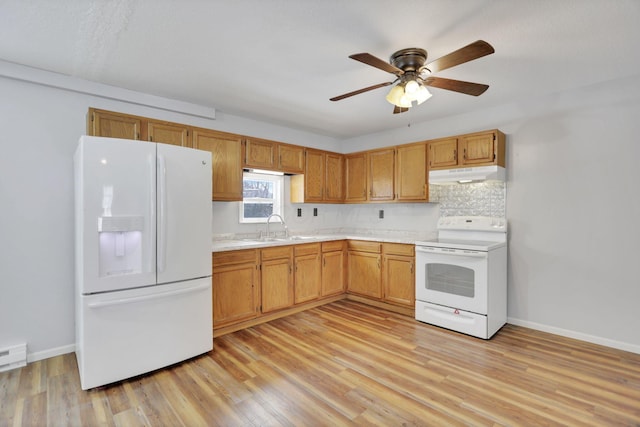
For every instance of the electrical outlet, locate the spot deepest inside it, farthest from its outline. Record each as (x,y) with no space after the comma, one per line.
(315,211)
(381,213)
(299,211)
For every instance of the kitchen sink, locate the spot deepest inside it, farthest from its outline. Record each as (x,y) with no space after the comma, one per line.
(280,239)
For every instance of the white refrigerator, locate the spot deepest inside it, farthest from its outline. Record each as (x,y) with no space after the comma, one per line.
(143,257)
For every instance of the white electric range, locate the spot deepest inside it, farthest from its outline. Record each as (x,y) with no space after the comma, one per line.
(461,276)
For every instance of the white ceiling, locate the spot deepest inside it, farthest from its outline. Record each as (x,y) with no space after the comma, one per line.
(281,60)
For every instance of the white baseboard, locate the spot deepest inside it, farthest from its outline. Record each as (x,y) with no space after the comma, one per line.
(45,354)
(620,345)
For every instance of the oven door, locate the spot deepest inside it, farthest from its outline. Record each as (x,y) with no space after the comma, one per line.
(452,277)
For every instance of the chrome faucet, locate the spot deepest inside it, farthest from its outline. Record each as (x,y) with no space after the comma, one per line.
(286,230)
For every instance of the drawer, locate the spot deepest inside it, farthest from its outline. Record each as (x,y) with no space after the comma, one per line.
(277,252)
(335,245)
(399,249)
(234,257)
(306,249)
(364,246)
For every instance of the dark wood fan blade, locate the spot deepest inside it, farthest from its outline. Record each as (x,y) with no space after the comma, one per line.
(475,50)
(369,59)
(359,91)
(468,88)
(398,110)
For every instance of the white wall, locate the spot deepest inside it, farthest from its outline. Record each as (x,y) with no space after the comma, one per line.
(573,207)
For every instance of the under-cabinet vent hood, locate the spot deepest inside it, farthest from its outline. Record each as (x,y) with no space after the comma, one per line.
(466,175)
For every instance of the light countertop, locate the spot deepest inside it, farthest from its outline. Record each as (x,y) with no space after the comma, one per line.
(406,237)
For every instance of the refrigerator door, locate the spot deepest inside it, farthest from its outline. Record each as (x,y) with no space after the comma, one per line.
(115,214)
(127,333)
(184,213)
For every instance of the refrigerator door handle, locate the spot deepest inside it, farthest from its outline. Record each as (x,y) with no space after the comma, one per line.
(162,214)
(132,300)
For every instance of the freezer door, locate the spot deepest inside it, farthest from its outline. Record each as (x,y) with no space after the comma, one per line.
(184,213)
(127,333)
(115,214)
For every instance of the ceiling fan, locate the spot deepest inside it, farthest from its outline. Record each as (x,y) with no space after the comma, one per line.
(413,75)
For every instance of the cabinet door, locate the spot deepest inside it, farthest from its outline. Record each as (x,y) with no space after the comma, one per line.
(364,272)
(443,153)
(168,134)
(355,177)
(332,273)
(226,151)
(381,175)
(314,176)
(102,123)
(334,177)
(291,158)
(399,280)
(277,289)
(411,170)
(307,277)
(478,149)
(260,154)
(234,293)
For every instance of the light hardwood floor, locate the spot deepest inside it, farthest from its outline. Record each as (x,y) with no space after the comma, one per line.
(347,364)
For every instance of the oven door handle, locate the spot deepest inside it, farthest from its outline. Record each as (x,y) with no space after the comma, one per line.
(452,252)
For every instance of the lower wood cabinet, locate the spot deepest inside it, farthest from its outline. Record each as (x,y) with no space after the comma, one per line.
(235,286)
(364,268)
(308,272)
(248,284)
(399,274)
(276,277)
(333,268)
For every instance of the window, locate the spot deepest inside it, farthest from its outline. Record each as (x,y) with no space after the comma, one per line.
(261,196)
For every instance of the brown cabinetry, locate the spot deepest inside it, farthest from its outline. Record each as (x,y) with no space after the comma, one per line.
(411,173)
(308,272)
(381,170)
(355,177)
(322,180)
(113,125)
(476,149)
(235,284)
(399,274)
(168,133)
(364,268)
(333,265)
(226,153)
(276,278)
(272,155)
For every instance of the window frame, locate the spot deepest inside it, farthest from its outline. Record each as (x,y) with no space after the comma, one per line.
(278,195)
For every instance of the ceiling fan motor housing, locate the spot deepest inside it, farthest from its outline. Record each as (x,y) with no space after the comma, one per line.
(409,60)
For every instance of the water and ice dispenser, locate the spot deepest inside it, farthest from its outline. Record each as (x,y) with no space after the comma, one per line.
(120,245)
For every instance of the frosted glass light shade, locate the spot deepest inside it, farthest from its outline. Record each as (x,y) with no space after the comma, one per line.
(422,95)
(395,94)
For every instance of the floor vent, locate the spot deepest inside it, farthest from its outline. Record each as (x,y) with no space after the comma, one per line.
(13,357)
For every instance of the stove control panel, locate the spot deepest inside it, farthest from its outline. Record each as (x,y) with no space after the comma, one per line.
(475,223)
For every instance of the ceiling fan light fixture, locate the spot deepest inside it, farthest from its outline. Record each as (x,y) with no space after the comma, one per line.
(395,96)
(411,87)
(423,94)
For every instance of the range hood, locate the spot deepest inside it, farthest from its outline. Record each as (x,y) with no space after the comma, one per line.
(465,175)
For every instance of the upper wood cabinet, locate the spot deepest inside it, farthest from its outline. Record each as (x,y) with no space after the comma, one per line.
(476,149)
(272,155)
(290,158)
(168,133)
(226,150)
(259,153)
(411,173)
(322,180)
(355,174)
(113,125)
(381,175)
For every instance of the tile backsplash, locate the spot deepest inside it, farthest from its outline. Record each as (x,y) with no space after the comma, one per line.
(474,199)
